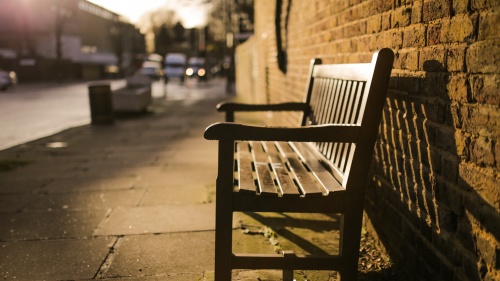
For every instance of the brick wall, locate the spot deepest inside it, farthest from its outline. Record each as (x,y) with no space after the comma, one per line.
(434,195)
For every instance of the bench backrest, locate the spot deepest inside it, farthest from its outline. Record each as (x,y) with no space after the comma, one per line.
(349,94)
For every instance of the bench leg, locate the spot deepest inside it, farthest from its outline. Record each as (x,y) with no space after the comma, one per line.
(348,275)
(350,240)
(223,246)
(287,275)
(224,213)
(223,237)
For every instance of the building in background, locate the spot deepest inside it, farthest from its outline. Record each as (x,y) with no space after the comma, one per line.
(66,40)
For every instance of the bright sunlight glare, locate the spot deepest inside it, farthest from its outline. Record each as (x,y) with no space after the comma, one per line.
(133,10)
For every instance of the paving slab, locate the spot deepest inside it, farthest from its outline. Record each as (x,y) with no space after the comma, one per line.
(158,219)
(86,201)
(164,193)
(42,170)
(196,152)
(53,259)
(175,255)
(49,224)
(15,184)
(13,203)
(91,183)
(177,175)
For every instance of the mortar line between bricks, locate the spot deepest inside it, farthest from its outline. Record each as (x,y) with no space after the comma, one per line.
(108,260)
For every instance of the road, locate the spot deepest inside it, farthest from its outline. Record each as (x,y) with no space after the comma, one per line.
(37,110)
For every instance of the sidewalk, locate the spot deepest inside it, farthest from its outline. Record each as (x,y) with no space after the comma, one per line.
(132,201)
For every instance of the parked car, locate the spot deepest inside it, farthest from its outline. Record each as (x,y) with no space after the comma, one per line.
(196,68)
(8,79)
(152,69)
(175,66)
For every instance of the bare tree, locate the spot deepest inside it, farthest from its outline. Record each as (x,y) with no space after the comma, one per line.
(153,20)
(157,22)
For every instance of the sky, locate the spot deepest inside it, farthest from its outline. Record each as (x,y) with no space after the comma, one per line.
(134,9)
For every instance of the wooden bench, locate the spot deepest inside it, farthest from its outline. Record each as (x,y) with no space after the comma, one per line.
(320,166)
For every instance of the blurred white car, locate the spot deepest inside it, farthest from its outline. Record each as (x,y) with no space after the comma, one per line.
(175,66)
(152,69)
(8,79)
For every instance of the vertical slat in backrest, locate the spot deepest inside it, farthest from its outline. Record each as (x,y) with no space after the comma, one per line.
(349,94)
(335,97)
(336,94)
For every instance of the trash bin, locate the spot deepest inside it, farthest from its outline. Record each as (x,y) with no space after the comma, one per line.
(101,103)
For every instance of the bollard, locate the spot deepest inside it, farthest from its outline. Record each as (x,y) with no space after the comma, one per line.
(101,103)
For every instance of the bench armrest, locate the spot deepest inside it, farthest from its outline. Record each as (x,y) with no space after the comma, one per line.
(288,106)
(316,133)
(231,107)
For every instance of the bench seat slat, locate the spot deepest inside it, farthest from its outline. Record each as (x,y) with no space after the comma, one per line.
(301,175)
(286,185)
(255,176)
(263,173)
(319,170)
(245,176)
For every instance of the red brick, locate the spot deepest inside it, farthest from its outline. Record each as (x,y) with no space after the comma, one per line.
(455,60)
(416,13)
(436,9)
(414,36)
(374,24)
(407,60)
(434,34)
(484,183)
(484,89)
(462,142)
(343,17)
(457,88)
(434,85)
(489,26)
(481,59)
(432,59)
(481,119)
(380,5)
(482,151)
(460,7)
(386,21)
(355,29)
(486,246)
(401,17)
(459,29)
(483,4)
(361,11)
